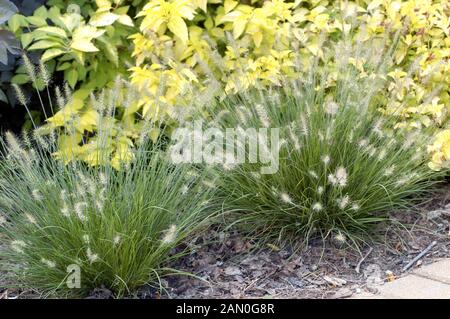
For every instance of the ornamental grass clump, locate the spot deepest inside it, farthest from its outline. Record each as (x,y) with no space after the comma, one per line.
(69,228)
(342,167)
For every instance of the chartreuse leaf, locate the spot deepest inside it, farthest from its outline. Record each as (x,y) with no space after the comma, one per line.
(125,20)
(44,44)
(55,31)
(83,45)
(178,27)
(37,21)
(41,12)
(16,22)
(26,39)
(52,53)
(229,5)
(103,19)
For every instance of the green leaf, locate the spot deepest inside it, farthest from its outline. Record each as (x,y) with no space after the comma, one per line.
(20,79)
(64,66)
(103,19)
(71,77)
(44,44)
(125,20)
(41,12)
(26,39)
(55,31)
(16,22)
(39,84)
(37,21)
(110,51)
(83,45)
(42,36)
(51,53)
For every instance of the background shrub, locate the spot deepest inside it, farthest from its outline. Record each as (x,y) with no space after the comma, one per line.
(233,45)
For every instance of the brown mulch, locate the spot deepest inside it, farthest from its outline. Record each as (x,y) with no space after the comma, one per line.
(226,265)
(230,267)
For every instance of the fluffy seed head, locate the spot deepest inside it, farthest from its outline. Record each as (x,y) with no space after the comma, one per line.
(91,256)
(65,211)
(36,194)
(19,95)
(79,210)
(18,245)
(30,68)
(86,239)
(286,198)
(389,171)
(184,189)
(313,174)
(363,143)
(317,207)
(320,190)
(344,201)
(49,263)
(340,238)
(103,179)
(31,218)
(44,74)
(14,144)
(116,240)
(331,108)
(262,114)
(170,235)
(341,176)
(60,100)
(326,159)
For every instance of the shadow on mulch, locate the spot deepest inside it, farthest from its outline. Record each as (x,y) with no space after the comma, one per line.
(231,268)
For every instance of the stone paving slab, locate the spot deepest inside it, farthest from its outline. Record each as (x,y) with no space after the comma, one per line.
(415,287)
(428,282)
(367,295)
(439,271)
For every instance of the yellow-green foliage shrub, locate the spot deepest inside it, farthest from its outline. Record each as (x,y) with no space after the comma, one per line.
(87,42)
(232,44)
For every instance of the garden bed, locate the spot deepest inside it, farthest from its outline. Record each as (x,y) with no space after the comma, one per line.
(319,270)
(232,267)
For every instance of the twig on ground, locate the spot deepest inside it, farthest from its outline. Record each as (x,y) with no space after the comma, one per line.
(419,256)
(358,266)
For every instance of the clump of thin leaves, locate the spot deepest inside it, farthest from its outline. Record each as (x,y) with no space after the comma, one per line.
(342,165)
(120,227)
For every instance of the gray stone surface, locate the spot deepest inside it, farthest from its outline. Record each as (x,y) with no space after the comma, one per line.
(367,295)
(415,287)
(428,282)
(439,271)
